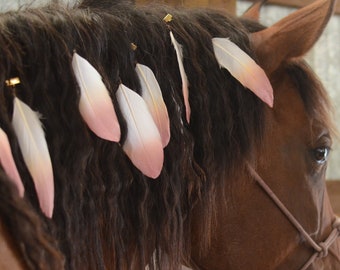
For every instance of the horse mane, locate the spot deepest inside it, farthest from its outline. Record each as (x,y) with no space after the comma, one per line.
(102,200)
(35,245)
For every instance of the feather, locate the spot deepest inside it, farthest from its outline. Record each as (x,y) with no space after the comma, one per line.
(95,104)
(32,142)
(243,68)
(143,144)
(8,164)
(185,83)
(152,95)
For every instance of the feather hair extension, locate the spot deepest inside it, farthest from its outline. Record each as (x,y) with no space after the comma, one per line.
(243,68)
(185,82)
(95,104)
(143,144)
(33,145)
(179,54)
(8,164)
(152,95)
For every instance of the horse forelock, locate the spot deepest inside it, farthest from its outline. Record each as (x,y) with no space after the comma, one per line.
(102,200)
(313,94)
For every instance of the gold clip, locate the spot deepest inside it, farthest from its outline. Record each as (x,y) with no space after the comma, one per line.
(133,46)
(167,18)
(13,81)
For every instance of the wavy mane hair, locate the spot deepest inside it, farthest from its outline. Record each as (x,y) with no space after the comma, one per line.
(107,213)
(30,236)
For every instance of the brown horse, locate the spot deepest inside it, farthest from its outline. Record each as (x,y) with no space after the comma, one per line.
(242,185)
(251,232)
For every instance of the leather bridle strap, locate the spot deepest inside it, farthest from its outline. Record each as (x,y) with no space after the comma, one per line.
(321,249)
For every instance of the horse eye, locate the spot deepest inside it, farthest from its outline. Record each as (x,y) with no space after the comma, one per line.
(321,154)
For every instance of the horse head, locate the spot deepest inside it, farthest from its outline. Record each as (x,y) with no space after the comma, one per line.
(252,231)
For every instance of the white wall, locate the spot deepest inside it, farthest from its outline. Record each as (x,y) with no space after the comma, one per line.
(14,4)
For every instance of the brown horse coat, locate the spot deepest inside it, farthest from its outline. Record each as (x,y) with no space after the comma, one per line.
(204,209)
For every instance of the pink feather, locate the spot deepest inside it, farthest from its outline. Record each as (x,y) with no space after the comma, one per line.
(7,162)
(95,104)
(152,95)
(143,144)
(185,82)
(34,149)
(243,68)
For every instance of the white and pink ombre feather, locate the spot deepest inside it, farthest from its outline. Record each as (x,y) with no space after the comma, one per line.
(143,144)
(152,95)
(8,164)
(34,149)
(95,104)
(243,68)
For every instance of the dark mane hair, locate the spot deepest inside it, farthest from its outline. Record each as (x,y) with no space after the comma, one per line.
(36,247)
(102,201)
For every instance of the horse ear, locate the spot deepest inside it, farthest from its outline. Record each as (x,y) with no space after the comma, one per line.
(253,13)
(293,35)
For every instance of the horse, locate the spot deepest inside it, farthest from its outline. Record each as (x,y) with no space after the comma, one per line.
(241,185)
(25,242)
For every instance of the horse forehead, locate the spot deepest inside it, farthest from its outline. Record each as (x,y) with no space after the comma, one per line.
(289,109)
(290,112)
